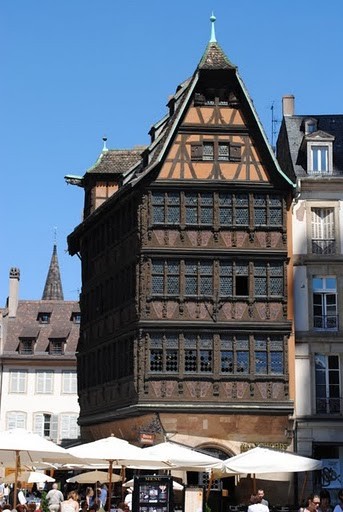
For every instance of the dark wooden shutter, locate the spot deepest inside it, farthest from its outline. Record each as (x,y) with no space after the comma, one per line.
(235,152)
(196,151)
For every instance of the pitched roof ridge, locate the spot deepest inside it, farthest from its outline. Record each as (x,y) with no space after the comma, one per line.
(214,57)
(53,284)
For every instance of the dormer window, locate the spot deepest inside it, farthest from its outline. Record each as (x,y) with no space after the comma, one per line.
(310,126)
(319,152)
(26,346)
(56,347)
(44,318)
(320,158)
(76,317)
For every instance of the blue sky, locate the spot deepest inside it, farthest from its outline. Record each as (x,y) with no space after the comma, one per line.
(75,70)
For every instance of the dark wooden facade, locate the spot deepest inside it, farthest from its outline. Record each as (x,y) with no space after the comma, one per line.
(184,276)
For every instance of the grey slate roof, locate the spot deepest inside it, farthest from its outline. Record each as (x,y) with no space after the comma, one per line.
(292,127)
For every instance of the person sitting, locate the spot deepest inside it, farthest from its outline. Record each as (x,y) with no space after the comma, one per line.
(71,504)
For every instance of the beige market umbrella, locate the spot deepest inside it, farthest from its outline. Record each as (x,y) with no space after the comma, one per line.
(30,477)
(19,447)
(91,477)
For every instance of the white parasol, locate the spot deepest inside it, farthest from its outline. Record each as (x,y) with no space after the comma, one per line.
(29,477)
(176,485)
(183,457)
(18,447)
(117,452)
(266,460)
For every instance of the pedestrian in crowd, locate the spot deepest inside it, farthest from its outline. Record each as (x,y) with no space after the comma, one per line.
(6,493)
(325,501)
(71,504)
(54,498)
(339,507)
(21,500)
(103,495)
(312,503)
(128,498)
(261,496)
(256,505)
(89,496)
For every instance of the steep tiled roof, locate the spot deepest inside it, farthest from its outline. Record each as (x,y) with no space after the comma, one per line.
(26,325)
(215,58)
(331,124)
(116,161)
(53,285)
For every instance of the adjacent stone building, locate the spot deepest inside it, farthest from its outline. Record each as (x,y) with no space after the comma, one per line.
(38,378)
(310,148)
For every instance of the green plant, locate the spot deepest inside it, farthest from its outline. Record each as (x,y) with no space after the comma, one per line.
(44,502)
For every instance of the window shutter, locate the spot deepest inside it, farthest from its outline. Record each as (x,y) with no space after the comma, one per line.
(316,224)
(328,224)
(196,151)
(54,427)
(38,424)
(235,152)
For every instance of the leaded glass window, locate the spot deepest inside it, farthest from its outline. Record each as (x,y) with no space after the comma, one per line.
(260,210)
(165,277)
(225,209)
(275,210)
(223,151)
(261,356)
(198,278)
(198,354)
(158,207)
(206,208)
(208,151)
(268,279)
(191,202)
(164,353)
(225,279)
(165,207)
(242,355)
(276,356)
(242,209)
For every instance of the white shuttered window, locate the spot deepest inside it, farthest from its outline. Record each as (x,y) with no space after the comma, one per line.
(69,426)
(18,380)
(15,419)
(69,382)
(46,425)
(323,231)
(44,382)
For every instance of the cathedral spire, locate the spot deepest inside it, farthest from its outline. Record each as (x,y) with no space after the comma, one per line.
(53,285)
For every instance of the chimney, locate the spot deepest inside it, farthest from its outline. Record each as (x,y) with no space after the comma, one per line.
(14,292)
(288,105)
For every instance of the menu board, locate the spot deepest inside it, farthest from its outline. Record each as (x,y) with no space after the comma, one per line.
(152,494)
(194,499)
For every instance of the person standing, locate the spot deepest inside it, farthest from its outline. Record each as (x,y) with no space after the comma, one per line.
(256,505)
(71,504)
(54,498)
(261,496)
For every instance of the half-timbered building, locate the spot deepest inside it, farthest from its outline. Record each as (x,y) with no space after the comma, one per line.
(186,326)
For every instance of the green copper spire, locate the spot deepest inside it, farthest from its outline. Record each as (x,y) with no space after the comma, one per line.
(213,32)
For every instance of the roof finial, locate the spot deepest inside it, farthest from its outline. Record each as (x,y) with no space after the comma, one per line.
(104,146)
(213,32)
(55,235)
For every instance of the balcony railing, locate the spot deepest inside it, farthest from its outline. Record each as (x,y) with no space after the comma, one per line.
(328,406)
(325,322)
(323,246)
